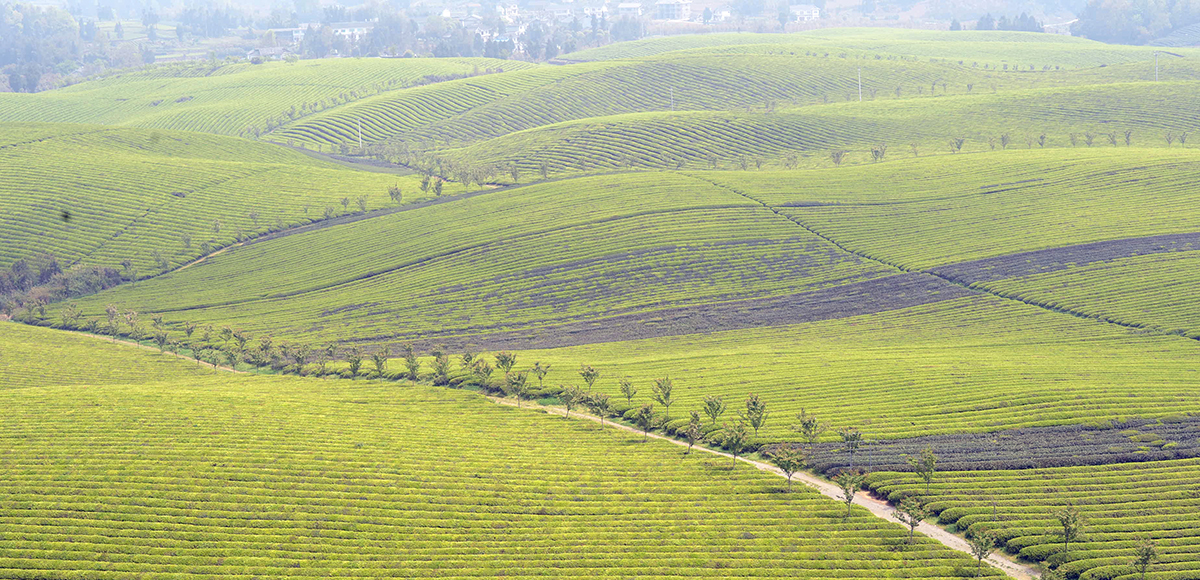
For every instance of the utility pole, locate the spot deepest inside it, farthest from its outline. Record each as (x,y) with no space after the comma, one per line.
(860,84)
(1158,52)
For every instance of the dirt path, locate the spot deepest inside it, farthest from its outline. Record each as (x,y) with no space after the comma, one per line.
(876,506)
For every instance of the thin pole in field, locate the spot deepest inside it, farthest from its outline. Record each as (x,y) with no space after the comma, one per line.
(860,84)
(359,119)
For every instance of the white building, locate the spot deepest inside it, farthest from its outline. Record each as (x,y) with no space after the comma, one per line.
(633,9)
(805,12)
(352,30)
(673,9)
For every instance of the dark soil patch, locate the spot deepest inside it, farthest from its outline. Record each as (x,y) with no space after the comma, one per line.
(868,297)
(1043,261)
(1132,440)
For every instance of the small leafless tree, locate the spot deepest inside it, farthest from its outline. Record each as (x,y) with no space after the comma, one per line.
(1128,137)
(849,482)
(1005,139)
(911,512)
(789,460)
(1170,138)
(838,156)
(628,390)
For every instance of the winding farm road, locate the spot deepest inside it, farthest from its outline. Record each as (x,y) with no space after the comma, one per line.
(876,506)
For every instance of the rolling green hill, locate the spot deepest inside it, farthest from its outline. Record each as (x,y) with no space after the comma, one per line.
(471,110)
(236,475)
(228,99)
(130,193)
(727,140)
(529,256)
(996,48)
(1122,505)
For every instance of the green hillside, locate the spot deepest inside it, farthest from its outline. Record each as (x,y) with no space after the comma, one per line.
(228,99)
(726,140)
(1122,506)
(246,476)
(139,195)
(470,110)
(968,365)
(35,358)
(528,256)
(941,210)
(1013,48)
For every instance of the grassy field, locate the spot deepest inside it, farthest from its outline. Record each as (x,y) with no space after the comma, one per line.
(241,476)
(133,192)
(942,210)
(1151,291)
(32,357)
(967,365)
(745,140)
(528,256)
(228,99)
(992,48)
(1122,505)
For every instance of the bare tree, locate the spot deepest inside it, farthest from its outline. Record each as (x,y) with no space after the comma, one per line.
(395,193)
(1144,555)
(628,390)
(644,419)
(515,385)
(852,439)
(756,413)
(380,358)
(1071,522)
(505,361)
(982,544)
(734,438)
(540,372)
(714,407)
(411,363)
(838,156)
(911,512)
(849,482)
(694,430)
(662,395)
(789,460)
(809,427)
(589,375)
(925,466)
(1170,138)
(1128,137)
(600,404)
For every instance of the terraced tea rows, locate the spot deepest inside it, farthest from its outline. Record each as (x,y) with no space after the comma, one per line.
(253,476)
(131,193)
(983,364)
(228,99)
(708,140)
(531,256)
(1121,505)
(472,110)
(1152,291)
(998,49)
(37,357)
(989,205)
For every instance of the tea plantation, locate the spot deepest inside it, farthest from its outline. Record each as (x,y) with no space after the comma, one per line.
(161,198)
(985,259)
(188,476)
(1121,506)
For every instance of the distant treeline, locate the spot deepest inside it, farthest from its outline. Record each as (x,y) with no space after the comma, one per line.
(1120,21)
